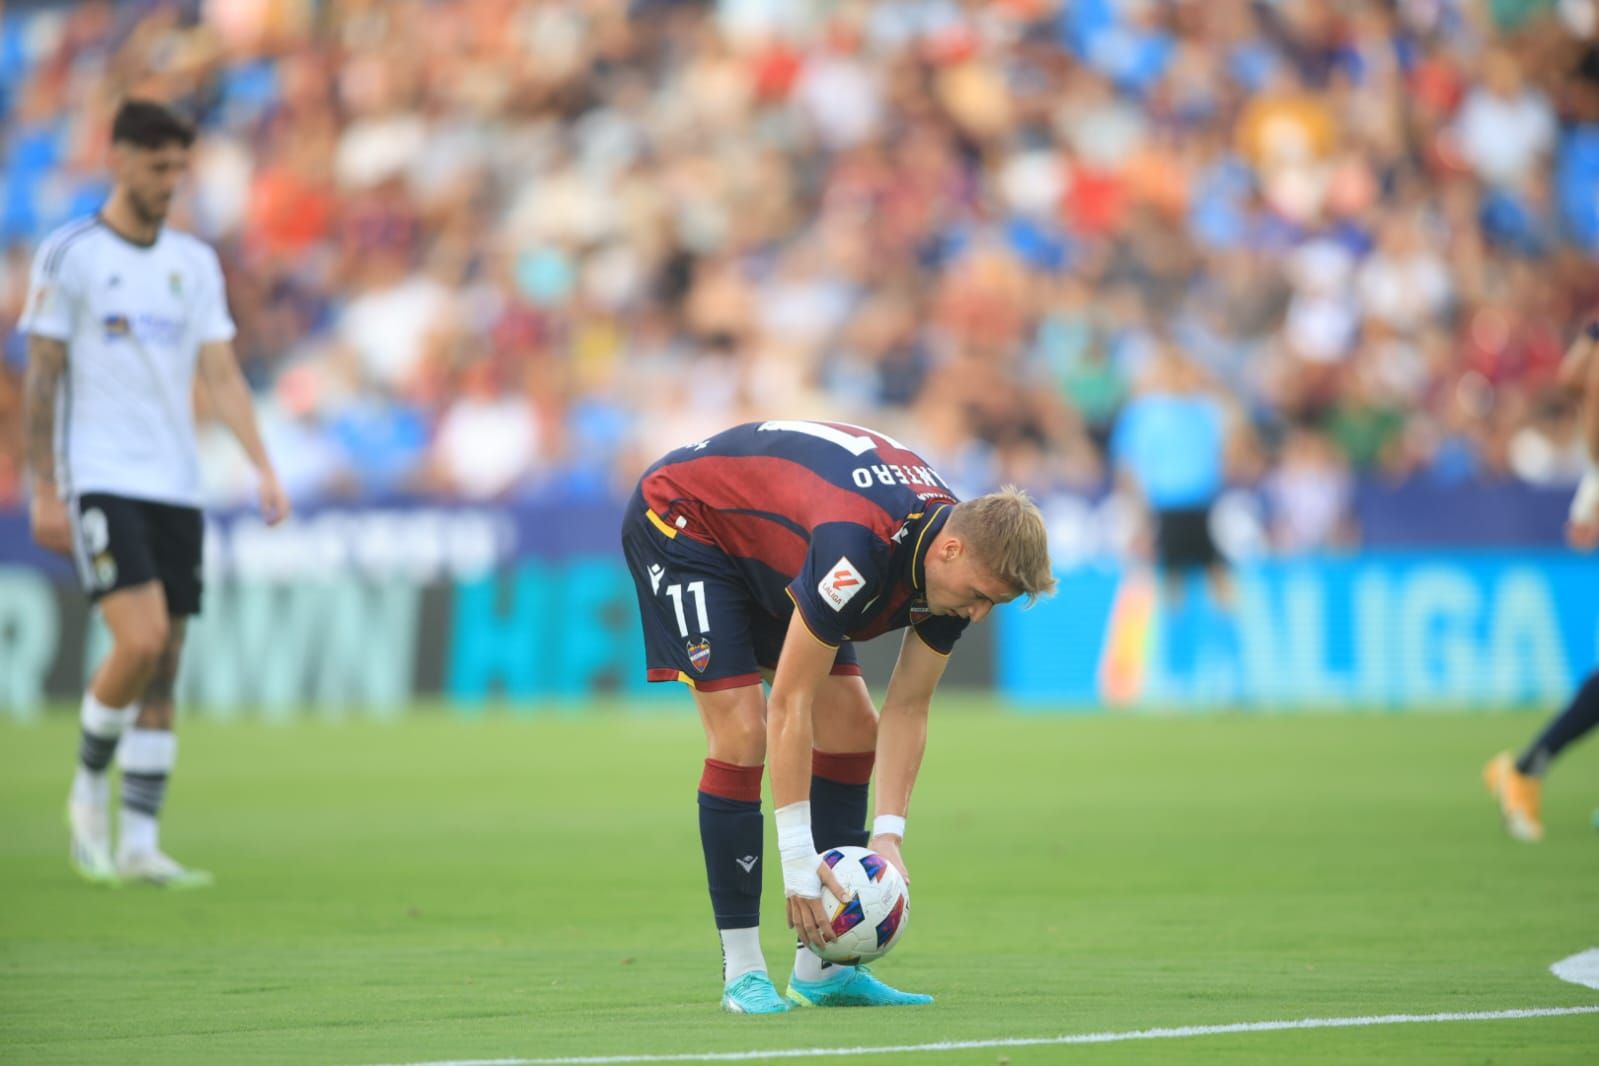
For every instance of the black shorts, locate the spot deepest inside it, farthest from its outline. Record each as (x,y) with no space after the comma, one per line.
(118,543)
(1183,540)
(702,623)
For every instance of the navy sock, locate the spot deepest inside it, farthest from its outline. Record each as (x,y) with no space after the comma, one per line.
(732,834)
(1580,716)
(839,784)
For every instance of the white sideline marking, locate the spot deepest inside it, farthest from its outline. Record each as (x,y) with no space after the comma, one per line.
(1037,1041)
(1580,969)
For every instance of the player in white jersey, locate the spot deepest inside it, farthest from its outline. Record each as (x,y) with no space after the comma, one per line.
(1517,781)
(122,315)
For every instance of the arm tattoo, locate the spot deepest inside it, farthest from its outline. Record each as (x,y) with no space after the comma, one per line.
(47,359)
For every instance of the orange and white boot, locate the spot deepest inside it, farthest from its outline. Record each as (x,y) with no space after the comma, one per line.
(1518,795)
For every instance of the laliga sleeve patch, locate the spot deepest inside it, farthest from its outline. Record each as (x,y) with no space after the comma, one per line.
(841,582)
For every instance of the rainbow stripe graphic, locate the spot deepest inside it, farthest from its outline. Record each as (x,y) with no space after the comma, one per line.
(890,925)
(1130,632)
(850,915)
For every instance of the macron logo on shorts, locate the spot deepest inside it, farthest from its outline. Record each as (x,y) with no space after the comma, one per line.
(842,582)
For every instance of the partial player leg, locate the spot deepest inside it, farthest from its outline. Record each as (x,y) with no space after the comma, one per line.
(1576,721)
(844,725)
(844,728)
(696,615)
(732,835)
(845,733)
(1517,783)
(1179,630)
(147,756)
(1223,590)
(1218,662)
(137,619)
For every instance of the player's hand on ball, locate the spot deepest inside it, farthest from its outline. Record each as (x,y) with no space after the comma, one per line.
(806,915)
(274,502)
(887,845)
(52,530)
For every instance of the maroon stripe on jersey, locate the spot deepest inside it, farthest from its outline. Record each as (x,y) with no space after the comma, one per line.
(748,536)
(762,483)
(883,620)
(661,492)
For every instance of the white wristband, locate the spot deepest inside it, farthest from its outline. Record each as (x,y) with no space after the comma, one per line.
(889,825)
(798,848)
(1585,504)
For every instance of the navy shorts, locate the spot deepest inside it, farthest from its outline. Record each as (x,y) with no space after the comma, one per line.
(702,622)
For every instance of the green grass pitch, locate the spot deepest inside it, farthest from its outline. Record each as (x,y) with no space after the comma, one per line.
(529,886)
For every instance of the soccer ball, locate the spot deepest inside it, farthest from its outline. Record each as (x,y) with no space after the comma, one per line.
(870,924)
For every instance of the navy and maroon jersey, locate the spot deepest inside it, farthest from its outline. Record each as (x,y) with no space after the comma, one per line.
(825,516)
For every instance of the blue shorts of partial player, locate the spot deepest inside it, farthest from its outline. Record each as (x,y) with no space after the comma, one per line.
(703,621)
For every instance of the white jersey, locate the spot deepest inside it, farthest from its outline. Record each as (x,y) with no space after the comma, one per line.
(133,318)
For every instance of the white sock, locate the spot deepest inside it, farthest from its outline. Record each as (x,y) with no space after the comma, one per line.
(105,721)
(140,833)
(91,788)
(808,966)
(741,953)
(101,730)
(147,757)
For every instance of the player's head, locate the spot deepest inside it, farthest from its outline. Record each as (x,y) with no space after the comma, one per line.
(992,550)
(149,153)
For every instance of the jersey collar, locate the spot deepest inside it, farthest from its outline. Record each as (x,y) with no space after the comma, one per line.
(923,543)
(124,238)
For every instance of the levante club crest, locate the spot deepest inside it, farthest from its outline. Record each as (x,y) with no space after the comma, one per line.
(919,611)
(699,654)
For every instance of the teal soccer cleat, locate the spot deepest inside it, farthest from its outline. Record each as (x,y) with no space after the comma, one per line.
(752,994)
(851,986)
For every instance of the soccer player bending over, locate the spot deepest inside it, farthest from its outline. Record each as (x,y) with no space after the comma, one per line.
(1517,782)
(764,552)
(121,312)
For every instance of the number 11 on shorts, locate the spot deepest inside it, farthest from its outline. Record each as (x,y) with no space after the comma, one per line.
(697,591)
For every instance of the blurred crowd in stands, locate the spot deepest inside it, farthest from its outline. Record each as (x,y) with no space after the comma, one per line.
(478,249)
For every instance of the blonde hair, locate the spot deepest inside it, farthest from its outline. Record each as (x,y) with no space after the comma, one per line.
(1005,531)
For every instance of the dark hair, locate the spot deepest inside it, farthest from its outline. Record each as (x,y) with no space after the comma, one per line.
(148,124)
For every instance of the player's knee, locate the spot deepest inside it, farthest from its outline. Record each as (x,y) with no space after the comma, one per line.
(740,740)
(147,644)
(862,718)
(847,725)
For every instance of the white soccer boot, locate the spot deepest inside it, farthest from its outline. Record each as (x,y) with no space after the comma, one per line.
(156,867)
(89,826)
